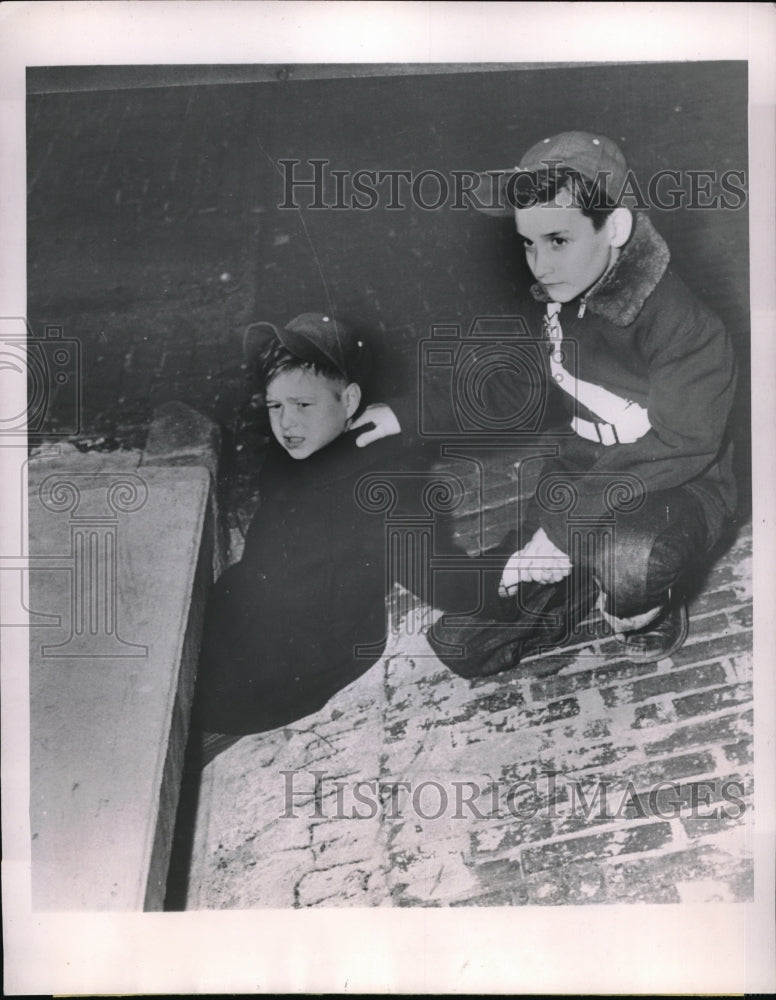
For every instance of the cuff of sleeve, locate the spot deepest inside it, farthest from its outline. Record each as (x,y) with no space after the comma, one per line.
(556,528)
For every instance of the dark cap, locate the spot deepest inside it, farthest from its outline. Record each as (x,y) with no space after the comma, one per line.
(321,340)
(595,157)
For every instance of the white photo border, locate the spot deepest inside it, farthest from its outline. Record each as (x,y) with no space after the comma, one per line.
(680,949)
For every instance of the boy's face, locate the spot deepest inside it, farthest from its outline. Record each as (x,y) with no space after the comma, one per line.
(565,253)
(306,411)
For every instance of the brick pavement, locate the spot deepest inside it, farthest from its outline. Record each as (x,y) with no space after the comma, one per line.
(539,786)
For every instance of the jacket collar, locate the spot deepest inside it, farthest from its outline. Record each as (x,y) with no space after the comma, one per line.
(621,293)
(340,459)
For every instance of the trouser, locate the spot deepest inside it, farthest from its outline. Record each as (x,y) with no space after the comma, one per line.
(656,552)
(638,562)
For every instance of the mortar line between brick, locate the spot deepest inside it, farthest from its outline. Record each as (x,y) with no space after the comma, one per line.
(665,850)
(661,666)
(664,729)
(626,681)
(718,772)
(615,826)
(703,639)
(670,696)
(626,822)
(740,604)
(658,732)
(678,843)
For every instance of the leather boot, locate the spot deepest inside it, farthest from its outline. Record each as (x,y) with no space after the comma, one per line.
(492,646)
(660,638)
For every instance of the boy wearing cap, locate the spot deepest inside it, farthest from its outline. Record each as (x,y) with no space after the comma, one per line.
(647,383)
(284,624)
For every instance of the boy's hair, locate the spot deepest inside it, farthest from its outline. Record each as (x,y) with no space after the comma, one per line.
(274,359)
(540,187)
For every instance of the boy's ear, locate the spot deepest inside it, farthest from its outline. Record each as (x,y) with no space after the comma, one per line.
(620,224)
(351,397)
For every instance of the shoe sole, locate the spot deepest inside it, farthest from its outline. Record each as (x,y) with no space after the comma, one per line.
(663,654)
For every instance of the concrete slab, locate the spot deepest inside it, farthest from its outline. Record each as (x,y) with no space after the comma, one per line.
(178,436)
(120,562)
(58,454)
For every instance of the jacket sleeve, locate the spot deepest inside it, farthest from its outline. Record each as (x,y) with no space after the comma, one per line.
(501,394)
(691,372)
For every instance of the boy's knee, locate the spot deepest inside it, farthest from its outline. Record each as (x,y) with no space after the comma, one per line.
(650,562)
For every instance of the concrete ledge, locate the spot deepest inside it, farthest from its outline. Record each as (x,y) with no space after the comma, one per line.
(181,436)
(120,564)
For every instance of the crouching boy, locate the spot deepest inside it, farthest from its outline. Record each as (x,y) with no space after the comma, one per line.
(646,376)
(648,399)
(302,614)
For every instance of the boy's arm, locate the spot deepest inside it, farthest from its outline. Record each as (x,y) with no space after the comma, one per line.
(437,410)
(692,384)
(460,384)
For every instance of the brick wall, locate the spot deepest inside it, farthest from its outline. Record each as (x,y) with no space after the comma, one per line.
(154,233)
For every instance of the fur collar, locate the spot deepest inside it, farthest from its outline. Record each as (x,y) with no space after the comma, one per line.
(621,293)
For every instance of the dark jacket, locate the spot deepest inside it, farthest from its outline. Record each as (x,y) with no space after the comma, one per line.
(645,337)
(284,625)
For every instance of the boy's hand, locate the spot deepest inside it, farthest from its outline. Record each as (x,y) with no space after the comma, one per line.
(384,420)
(540,561)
